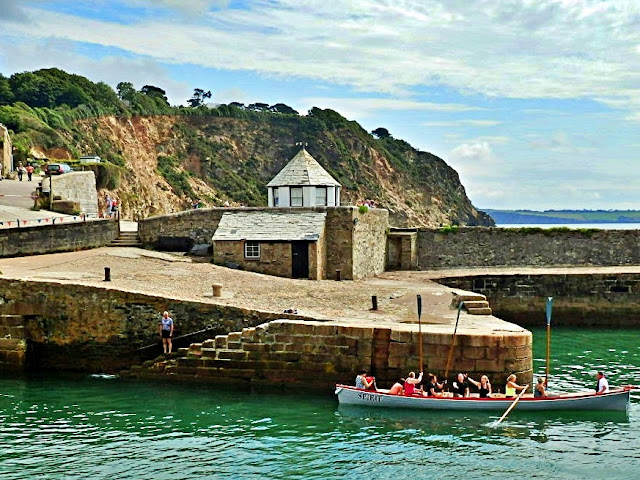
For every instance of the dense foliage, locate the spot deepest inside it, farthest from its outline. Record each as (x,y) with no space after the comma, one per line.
(236,152)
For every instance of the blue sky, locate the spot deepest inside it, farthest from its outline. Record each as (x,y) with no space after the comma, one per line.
(536,103)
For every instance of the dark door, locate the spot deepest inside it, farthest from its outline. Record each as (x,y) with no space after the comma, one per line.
(300,259)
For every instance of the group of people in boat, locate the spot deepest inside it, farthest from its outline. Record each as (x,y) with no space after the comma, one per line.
(429,386)
(460,386)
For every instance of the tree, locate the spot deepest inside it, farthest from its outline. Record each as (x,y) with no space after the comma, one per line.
(259,107)
(126,91)
(155,92)
(237,105)
(198,98)
(282,108)
(6,94)
(381,132)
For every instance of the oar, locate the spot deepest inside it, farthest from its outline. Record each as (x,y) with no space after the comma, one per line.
(548,310)
(453,343)
(504,415)
(419,298)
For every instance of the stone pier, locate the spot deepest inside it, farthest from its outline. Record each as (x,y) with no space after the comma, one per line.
(288,353)
(13,345)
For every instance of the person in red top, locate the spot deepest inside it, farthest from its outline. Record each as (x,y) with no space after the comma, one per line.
(410,384)
(30,171)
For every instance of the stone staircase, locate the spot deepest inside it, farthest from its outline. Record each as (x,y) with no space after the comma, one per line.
(474,303)
(277,353)
(126,239)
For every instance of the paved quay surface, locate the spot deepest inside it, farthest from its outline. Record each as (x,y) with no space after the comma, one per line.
(347,302)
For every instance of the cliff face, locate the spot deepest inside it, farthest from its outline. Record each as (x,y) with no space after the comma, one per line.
(172,160)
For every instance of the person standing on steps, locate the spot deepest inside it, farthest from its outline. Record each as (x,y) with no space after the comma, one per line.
(166,332)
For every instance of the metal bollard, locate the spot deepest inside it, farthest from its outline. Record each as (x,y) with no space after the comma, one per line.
(374,302)
(107,274)
(338,275)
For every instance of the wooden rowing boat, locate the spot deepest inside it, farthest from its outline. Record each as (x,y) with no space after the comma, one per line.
(617,399)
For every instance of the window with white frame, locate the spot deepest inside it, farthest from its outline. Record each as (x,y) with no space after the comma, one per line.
(252,250)
(321,196)
(276,197)
(296,196)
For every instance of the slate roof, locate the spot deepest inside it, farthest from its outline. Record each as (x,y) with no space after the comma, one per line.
(270,226)
(302,170)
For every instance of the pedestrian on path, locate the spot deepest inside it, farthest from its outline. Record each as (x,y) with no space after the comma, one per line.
(30,171)
(21,171)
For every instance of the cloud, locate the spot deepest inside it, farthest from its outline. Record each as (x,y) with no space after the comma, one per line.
(12,11)
(560,142)
(456,123)
(516,49)
(110,69)
(365,107)
(479,152)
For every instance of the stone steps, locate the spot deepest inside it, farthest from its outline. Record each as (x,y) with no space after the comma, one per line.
(126,239)
(474,303)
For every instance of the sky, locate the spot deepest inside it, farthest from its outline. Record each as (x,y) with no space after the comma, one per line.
(535,103)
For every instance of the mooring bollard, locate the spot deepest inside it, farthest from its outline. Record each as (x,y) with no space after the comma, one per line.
(374,302)
(338,275)
(107,274)
(217,289)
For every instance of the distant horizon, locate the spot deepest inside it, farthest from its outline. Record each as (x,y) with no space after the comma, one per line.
(532,103)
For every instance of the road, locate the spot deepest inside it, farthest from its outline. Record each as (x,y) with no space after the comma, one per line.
(16,203)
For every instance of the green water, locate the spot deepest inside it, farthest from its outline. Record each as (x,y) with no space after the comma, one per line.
(106,428)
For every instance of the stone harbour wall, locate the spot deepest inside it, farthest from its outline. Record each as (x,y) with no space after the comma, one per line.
(584,300)
(13,345)
(198,225)
(61,237)
(91,329)
(493,247)
(79,187)
(317,355)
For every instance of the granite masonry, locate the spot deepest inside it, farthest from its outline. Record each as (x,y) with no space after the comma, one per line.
(319,354)
(76,187)
(589,299)
(495,247)
(354,241)
(61,237)
(84,328)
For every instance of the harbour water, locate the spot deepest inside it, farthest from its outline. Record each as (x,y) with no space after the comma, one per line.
(97,427)
(598,226)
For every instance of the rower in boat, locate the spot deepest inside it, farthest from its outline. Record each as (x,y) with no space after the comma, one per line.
(363,382)
(484,386)
(511,387)
(460,386)
(541,388)
(603,383)
(410,384)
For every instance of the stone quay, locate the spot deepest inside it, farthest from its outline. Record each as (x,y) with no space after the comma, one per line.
(74,320)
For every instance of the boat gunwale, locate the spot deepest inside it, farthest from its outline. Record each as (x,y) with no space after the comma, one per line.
(564,397)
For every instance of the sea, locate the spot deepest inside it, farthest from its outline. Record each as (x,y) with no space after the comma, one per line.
(600,226)
(103,427)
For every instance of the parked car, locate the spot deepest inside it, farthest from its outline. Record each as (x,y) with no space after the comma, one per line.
(56,168)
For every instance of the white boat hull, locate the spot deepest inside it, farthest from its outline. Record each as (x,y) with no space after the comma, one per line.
(617,399)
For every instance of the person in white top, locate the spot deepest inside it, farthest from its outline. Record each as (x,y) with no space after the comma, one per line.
(603,385)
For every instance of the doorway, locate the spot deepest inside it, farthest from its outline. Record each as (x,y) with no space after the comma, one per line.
(300,259)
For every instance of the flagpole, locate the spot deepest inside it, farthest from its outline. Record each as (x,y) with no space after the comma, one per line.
(548,309)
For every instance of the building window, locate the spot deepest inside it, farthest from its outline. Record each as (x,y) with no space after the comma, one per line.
(321,196)
(296,196)
(276,198)
(252,250)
